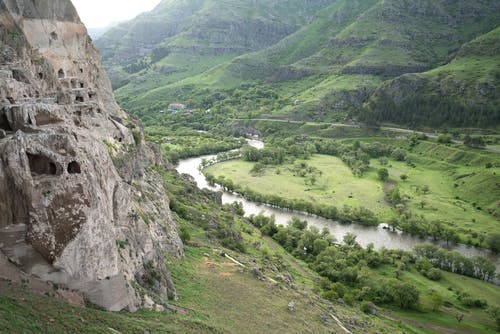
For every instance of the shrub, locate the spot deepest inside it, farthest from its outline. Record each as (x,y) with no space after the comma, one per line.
(383,174)
(444,139)
(433,274)
(399,154)
(330,295)
(137,136)
(184,234)
(368,307)
(471,302)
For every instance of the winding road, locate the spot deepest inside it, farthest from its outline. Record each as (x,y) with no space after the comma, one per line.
(361,126)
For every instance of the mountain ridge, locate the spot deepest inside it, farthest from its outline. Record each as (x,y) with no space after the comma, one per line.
(333,62)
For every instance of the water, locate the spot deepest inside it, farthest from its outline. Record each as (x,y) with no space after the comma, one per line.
(379,236)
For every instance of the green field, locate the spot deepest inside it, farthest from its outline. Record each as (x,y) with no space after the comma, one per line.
(458,194)
(475,319)
(335,186)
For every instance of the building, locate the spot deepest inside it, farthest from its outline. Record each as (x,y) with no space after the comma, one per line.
(176,107)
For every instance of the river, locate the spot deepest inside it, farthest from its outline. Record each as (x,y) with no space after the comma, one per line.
(379,236)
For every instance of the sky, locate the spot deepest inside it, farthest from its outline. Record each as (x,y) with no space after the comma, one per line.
(100,13)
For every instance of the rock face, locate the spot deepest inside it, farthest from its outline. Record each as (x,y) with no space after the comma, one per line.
(80,204)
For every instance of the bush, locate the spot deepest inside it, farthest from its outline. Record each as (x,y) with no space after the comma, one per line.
(434,274)
(405,295)
(137,137)
(399,154)
(471,302)
(184,234)
(330,295)
(444,139)
(383,174)
(368,307)
(493,241)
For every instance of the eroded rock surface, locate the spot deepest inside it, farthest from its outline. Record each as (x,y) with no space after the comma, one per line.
(80,202)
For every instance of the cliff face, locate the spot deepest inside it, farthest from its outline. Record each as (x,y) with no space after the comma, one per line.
(80,205)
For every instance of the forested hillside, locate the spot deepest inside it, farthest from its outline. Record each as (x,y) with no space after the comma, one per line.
(313,60)
(465,91)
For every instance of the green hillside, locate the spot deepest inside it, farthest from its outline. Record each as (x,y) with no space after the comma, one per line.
(181,38)
(465,90)
(330,56)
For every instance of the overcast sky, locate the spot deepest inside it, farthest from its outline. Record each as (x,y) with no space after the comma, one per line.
(100,13)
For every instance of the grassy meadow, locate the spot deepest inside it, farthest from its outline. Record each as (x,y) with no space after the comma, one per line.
(443,183)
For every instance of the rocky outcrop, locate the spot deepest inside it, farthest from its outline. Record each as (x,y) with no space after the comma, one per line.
(80,204)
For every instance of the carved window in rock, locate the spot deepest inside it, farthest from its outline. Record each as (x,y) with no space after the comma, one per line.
(42,165)
(74,168)
(60,73)
(4,122)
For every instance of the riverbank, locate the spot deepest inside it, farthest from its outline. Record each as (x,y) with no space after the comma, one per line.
(379,235)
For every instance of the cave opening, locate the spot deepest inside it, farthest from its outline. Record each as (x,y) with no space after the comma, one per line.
(4,123)
(79,99)
(42,165)
(74,168)
(60,74)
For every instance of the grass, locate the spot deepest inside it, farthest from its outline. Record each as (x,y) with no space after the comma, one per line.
(475,320)
(220,294)
(461,188)
(25,312)
(336,186)
(215,296)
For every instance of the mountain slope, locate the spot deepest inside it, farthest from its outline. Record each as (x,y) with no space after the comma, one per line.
(465,91)
(199,30)
(331,60)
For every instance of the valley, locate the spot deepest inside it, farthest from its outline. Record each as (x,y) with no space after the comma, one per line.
(296,166)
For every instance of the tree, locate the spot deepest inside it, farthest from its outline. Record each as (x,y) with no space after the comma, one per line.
(258,169)
(494,312)
(297,223)
(383,161)
(399,154)
(403,177)
(383,174)
(484,268)
(436,301)
(433,274)
(449,235)
(405,295)
(394,196)
(493,242)
(350,239)
(474,142)
(368,307)
(444,139)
